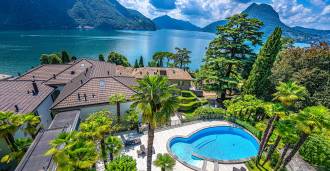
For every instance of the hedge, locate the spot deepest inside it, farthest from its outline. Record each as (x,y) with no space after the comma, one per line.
(186,93)
(316,150)
(250,128)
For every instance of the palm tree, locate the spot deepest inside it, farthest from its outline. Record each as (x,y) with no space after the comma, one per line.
(288,134)
(287,93)
(71,152)
(32,122)
(9,123)
(310,120)
(290,92)
(22,145)
(276,111)
(116,99)
(157,100)
(113,145)
(95,128)
(164,161)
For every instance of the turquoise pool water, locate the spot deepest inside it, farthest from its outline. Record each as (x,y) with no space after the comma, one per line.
(216,143)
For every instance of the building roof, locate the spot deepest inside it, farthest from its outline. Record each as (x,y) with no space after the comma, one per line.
(94,86)
(20,93)
(35,159)
(43,72)
(70,73)
(171,73)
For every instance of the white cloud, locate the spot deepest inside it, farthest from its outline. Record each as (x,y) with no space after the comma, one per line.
(326,10)
(203,12)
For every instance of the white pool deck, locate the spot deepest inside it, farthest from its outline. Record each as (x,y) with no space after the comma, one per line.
(160,143)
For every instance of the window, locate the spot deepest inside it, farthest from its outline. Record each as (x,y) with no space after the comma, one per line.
(102,84)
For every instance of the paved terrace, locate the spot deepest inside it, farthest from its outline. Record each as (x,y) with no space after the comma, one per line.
(160,143)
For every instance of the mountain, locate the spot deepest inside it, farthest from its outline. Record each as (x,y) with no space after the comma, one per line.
(213,26)
(271,19)
(68,14)
(166,22)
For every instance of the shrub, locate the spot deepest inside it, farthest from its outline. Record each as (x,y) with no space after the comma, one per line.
(189,106)
(209,112)
(185,93)
(122,163)
(316,150)
(249,127)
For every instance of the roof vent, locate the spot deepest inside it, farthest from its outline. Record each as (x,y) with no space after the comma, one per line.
(19,74)
(72,72)
(108,72)
(35,88)
(54,76)
(16,109)
(163,72)
(85,97)
(81,82)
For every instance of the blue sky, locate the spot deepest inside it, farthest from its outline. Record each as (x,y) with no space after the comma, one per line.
(306,13)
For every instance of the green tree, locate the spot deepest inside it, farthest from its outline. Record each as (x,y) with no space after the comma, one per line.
(258,82)
(141,63)
(22,145)
(232,41)
(122,163)
(44,59)
(164,161)
(217,79)
(96,127)
(72,152)
(65,57)
(156,98)
(101,57)
(310,120)
(118,59)
(182,58)
(132,117)
(136,64)
(116,99)
(308,67)
(113,146)
(159,58)
(54,59)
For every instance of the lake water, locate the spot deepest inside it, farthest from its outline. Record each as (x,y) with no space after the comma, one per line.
(20,50)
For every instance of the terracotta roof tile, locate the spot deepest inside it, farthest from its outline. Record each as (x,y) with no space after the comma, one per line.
(171,73)
(20,93)
(43,72)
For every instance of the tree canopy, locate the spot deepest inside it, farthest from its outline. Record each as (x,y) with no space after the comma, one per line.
(258,82)
(308,67)
(118,59)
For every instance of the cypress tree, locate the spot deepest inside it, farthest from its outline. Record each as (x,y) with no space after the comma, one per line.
(141,63)
(101,57)
(136,64)
(258,82)
(65,57)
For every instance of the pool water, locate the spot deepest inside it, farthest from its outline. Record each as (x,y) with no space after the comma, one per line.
(215,143)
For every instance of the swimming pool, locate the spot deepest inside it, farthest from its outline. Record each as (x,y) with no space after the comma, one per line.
(225,144)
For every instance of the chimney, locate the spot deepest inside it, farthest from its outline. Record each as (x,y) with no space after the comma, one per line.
(85,96)
(79,96)
(35,87)
(81,82)
(54,76)
(16,109)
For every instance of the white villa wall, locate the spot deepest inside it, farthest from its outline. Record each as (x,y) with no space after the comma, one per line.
(44,112)
(85,111)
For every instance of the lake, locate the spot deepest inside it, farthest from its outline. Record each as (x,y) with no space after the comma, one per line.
(21,50)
